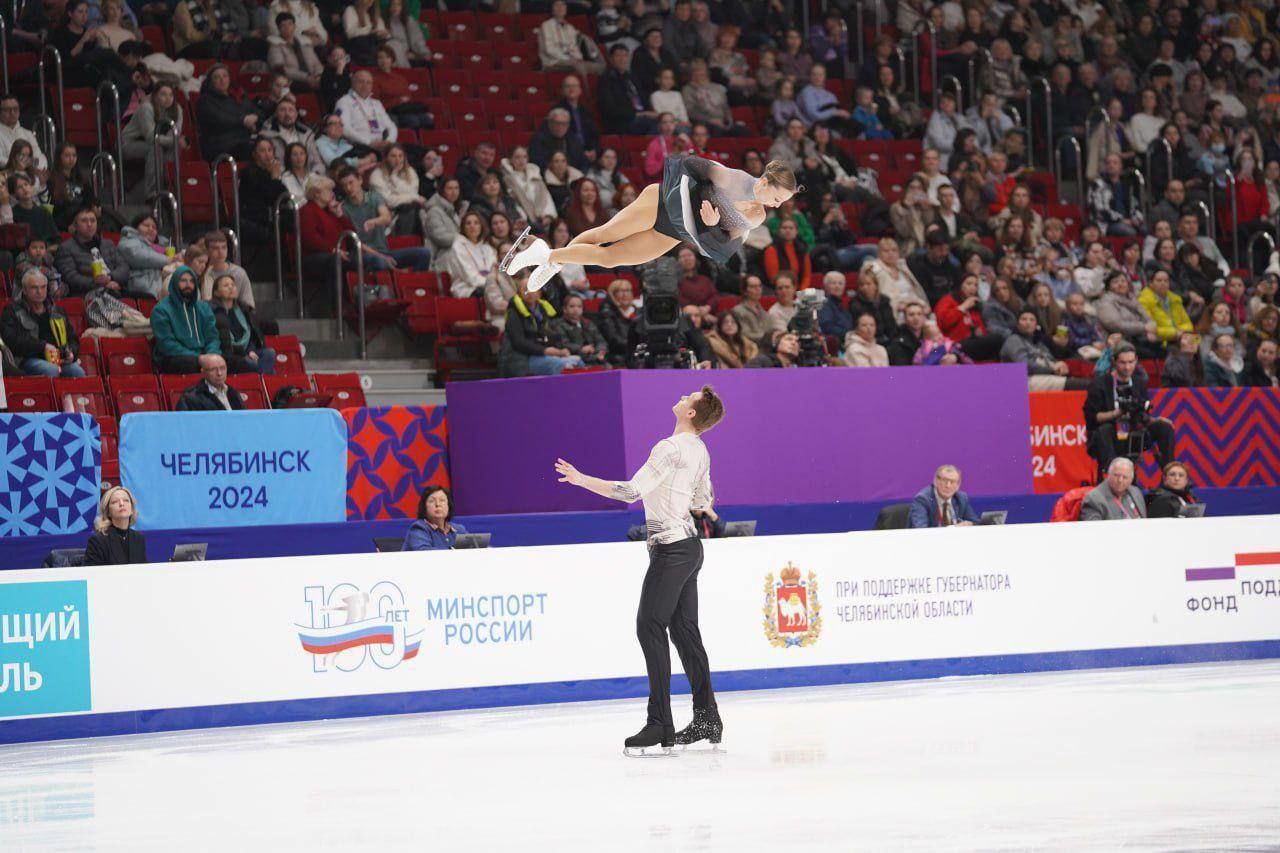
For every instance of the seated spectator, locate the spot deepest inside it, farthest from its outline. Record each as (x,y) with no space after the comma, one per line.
(560,178)
(730,65)
(114,541)
(434,530)
(894,276)
(960,319)
(1190,280)
(241,340)
(76,261)
(784,352)
(392,89)
(1119,311)
(1218,320)
(1110,424)
(68,187)
(732,349)
(912,214)
(562,48)
(578,334)
(37,332)
(335,80)
(1111,203)
(365,119)
(226,123)
(935,269)
(942,504)
(1020,207)
(184,326)
(708,103)
(334,151)
(215,243)
(36,256)
(866,114)
(697,292)
(406,38)
(1261,371)
(1233,293)
(582,126)
(1116,498)
(571,276)
(780,315)
(1084,338)
(793,146)
(860,347)
(608,178)
(372,218)
(1164,307)
(788,252)
(87,58)
(211,393)
(818,104)
(397,182)
(442,219)
(618,315)
(1026,346)
(1189,232)
(147,254)
(470,258)
(310,23)
(284,129)
(909,336)
(158,112)
(622,106)
(365,30)
(585,211)
(11,131)
(524,183)
(794,60)
(108,317)
(260,187)
(753,318)
(553,137)
(1264,290)
(1000,312)
(1223,366)
(944,125)
(938,350)
(1173,494)
(526,348)
(868,300)
(292,54)
(662,146)
(1183,367)
(833,318)
(22,195)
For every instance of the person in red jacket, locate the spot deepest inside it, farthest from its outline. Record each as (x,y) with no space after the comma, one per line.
(1252,207)
(788,252)
(697,292)
(322,222)
(959,316)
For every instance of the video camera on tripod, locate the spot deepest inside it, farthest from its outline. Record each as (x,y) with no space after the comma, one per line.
(661,341)
(1135,412)
(813,350)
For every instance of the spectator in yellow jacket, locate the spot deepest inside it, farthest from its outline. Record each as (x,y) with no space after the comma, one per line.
(1165,307)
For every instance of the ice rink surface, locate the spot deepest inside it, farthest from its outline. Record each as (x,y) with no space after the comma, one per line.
(1170,758)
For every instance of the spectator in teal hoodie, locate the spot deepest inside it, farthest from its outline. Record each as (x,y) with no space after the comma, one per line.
(183,326)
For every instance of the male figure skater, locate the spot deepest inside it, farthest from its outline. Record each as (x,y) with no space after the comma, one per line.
(675,480)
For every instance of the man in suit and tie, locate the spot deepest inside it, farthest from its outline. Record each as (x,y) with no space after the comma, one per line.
(1116,498)
(942,504)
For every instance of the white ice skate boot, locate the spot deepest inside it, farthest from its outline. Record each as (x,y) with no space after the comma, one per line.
(543,274)
(535,254)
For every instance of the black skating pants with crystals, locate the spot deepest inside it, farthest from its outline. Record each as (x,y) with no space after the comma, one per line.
(669,602)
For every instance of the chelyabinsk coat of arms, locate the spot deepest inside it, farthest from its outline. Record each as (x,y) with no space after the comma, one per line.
(792,614)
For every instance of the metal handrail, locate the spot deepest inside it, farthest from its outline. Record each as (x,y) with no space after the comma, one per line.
(4,48)
(902,63)
(1146,197)
(109,87)
(1015,114)
(233,241)
(1080,188)
(1248,249)
(297,244)
(860,24)
(1089,124)
(46,132)
(45,52)
(959,92)
(1168,158)
(1048,100)
(157,151)
(849,73)
(933,59)
(1208,217)
(354,238)
(171,202)
(217,191)
(985,54)
(1235,217)
(103,161)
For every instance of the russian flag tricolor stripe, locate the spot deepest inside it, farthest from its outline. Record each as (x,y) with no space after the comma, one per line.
(1220,573)
(1259,558)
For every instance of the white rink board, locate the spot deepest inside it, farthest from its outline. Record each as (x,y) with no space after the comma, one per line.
(183,636)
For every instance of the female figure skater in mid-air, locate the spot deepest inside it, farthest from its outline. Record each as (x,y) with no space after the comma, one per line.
(699,202)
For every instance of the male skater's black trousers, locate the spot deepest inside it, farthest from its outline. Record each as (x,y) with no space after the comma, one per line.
(669,601)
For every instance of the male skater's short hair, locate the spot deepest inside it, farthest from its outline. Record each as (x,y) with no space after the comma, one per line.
(708,411)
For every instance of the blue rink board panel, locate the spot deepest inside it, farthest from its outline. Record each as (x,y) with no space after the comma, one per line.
(213,716)
(567,528)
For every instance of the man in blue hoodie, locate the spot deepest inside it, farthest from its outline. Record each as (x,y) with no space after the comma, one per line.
(183,326)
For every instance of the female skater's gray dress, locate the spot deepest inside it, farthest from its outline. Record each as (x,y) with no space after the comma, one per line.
(686,183)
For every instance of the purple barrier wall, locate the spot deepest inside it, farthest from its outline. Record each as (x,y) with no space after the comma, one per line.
(790,436)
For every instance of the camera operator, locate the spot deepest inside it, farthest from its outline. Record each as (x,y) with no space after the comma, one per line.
(1116,414)
(785,351)
(804,325)
(687,340)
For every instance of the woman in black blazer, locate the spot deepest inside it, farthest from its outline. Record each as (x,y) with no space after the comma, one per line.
(115,542)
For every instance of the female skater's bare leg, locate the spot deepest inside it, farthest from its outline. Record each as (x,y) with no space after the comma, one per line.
(630,251)
(634,218)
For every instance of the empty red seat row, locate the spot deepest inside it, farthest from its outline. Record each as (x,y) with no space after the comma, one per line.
(132,356)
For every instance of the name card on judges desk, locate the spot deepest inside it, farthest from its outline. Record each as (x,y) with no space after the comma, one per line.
(202,469)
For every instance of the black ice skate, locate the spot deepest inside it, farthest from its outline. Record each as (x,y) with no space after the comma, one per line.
(706,726)
(650,736)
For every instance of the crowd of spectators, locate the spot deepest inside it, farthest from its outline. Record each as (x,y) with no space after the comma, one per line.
(961,264)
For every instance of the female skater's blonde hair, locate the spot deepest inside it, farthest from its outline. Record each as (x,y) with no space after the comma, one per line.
(778,174)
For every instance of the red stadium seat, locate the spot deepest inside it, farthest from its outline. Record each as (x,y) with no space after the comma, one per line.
(251,390)
(126,356)
(420,290)
(197,191)
(172,386)
(345,388)
(86,396)
(78,104)
(454,82)
(288,353)
(273,384)
(89,358)
(30,394)
(137,393)
(110,435)
(463,343)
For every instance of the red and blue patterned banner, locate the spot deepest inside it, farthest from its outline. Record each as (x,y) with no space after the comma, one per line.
(48,473)
(1226,436)
(393,453)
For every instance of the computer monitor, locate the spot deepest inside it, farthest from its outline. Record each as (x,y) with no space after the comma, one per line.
(472,540)
(309,400)
(189,552)
(994,517)
(1193,511)
(387,544)
(739,528)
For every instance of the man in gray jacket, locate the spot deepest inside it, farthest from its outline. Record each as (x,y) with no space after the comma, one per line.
(75,257)
(1116,498)
(1044,372)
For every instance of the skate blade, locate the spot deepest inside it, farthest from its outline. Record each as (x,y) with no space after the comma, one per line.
(639,752)
(515,248)
(703,748)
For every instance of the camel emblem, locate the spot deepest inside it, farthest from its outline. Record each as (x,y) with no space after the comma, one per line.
(791,610)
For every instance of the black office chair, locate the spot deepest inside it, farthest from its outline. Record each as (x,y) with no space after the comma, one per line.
(62,558)
(388,544)
(894,517)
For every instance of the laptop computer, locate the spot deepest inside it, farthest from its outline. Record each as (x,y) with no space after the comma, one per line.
(1193,511)
(387,544)
(472,540)
(995,517)
(309,400)
(190,552)
(739,528)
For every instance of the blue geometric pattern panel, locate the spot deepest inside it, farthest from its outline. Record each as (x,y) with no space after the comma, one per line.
(49,470)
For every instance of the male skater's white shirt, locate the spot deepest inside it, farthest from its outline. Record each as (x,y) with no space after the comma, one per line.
(674,481)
